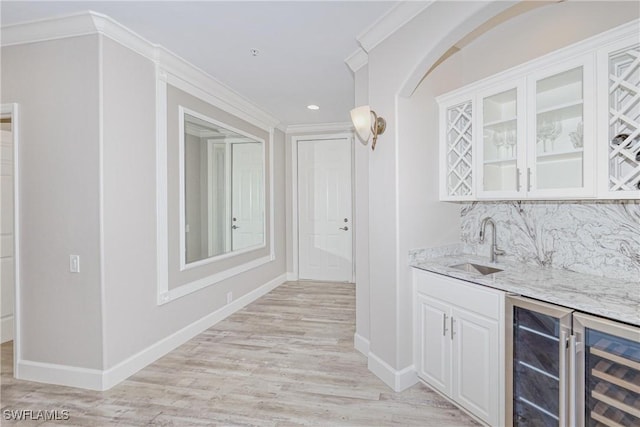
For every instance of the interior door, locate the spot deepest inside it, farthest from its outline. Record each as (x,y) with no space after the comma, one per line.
(325,210)
(7,265)
(247,219)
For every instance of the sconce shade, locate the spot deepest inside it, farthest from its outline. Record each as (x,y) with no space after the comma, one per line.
(366,122)
(361,118)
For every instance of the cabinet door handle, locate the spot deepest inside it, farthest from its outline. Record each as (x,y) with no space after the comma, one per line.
(452,328)
(518,179)
(444,324)
(528,179)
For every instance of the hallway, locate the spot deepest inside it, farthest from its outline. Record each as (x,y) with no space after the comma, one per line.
(286,359)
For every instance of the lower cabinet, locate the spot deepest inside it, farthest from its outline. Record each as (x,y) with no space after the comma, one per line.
(459,343)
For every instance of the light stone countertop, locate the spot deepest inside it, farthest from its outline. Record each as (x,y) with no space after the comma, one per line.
(612,298)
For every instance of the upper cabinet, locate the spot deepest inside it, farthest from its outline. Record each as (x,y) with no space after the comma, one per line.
(456,134)
(564,126)
(619,119)
(500,140)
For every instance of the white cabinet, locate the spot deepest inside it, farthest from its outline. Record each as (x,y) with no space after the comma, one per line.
(458,343)
(560,130)
(619,112)
(540,131)
(456,163)
(500,143)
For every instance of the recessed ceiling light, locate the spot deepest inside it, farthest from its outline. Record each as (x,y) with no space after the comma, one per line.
(313,107)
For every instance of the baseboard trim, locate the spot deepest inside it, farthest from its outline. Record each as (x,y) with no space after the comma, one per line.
(397,380)
(6,328)
(94,379)
(51,373)
(361,344)
(292,277)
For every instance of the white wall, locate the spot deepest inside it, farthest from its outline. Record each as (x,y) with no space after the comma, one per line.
(56,85)
(404,211)
(361,163)
(134,321)
(88,174)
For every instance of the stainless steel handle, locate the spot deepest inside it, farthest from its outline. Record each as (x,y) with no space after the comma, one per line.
(452,328)
(234,226)
(573,356)
(563,379)
(517,179)
(444,324)
(345,228)
(528,179)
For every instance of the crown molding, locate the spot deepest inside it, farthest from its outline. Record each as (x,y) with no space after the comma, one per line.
(357,59)
(87,23)
(320,127)
(391,22)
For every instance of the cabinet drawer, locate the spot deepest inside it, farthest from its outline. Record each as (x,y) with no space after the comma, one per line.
(476,298)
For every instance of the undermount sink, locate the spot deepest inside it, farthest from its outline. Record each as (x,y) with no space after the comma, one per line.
(476,268)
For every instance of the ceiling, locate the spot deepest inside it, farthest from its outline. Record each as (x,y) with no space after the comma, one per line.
(302,45)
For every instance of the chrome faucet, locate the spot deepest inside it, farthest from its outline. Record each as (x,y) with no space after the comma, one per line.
(494,246)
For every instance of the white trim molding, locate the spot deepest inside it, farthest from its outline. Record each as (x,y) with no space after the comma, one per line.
(87,23)
(13,110)
(95,379)
(165,295)
(361,344)
(358,59)
(133,364)
(390,22)
(319,127)
(398,380)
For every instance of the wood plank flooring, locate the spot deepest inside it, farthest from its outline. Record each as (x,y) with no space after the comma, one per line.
(286,359)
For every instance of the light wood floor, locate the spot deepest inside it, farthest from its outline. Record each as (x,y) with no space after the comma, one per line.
(287,359)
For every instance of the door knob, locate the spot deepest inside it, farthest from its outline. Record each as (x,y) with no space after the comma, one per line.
(345,228)
(234,226)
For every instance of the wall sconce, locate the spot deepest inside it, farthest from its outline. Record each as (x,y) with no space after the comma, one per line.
(366,122)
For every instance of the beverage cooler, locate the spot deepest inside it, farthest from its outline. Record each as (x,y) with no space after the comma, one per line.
(566,368)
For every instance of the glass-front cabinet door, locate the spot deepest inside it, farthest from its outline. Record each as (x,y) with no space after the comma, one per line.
(619,116)
(560,160)
(500,141)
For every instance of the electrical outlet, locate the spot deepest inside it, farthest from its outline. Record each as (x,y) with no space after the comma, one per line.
(74,263)
(229,297)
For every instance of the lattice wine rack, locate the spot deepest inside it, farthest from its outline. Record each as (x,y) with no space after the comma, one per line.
(459,150)
(624,120)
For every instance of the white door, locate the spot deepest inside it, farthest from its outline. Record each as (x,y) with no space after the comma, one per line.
(476,375)
(434,342)
(7,271)
(247,204)
(325,226)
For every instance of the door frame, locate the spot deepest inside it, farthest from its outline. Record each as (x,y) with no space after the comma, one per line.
(295,230)
(13,110)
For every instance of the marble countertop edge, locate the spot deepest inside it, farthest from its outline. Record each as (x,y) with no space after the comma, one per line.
(611,298)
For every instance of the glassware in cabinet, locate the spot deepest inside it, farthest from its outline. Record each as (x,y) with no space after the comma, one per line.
(499,141)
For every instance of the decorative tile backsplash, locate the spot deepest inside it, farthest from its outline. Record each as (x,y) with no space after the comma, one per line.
(600,238)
